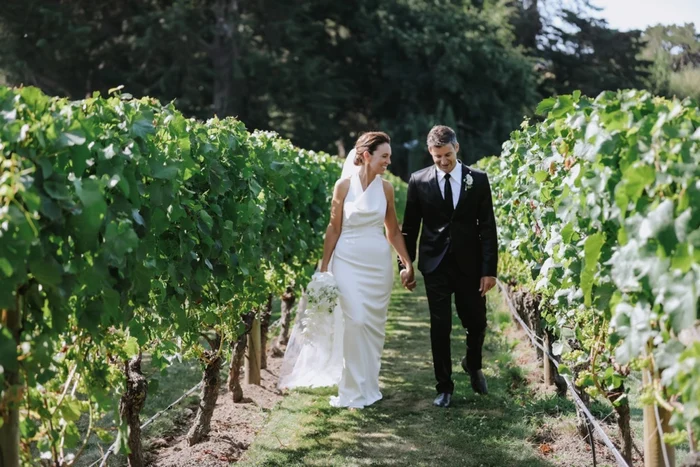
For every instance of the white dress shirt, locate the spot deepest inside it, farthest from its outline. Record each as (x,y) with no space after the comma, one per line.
(455,181)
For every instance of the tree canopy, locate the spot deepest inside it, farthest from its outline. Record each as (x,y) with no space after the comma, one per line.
(321,72)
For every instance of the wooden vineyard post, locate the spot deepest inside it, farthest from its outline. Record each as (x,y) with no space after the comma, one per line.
(653,449)
(264,331)
(10,430)
(548,370)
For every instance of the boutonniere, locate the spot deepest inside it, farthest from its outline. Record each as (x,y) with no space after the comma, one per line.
(468,182)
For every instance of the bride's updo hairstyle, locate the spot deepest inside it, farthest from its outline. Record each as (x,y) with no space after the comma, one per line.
(369,142)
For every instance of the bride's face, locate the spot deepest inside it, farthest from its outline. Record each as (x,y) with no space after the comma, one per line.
(380,159)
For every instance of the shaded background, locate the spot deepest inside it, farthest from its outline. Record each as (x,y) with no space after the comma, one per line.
(320,72)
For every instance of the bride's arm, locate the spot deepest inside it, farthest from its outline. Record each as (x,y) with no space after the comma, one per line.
(336,222)
(393,231)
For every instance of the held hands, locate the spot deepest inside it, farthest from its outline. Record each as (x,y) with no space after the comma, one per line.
(487,283)
(408,279)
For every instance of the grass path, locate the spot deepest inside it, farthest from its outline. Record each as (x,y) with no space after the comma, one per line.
(404,428)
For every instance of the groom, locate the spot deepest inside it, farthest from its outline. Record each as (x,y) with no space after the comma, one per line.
(458,254)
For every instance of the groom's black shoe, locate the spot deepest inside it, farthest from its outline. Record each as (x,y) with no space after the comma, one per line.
(477,379)
(443,400)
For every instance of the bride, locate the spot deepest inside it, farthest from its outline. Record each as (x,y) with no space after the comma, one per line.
(357,252)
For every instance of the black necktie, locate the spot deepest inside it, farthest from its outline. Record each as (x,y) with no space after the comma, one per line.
(448,194)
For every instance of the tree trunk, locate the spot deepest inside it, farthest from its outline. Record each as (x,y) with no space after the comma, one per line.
(9,405)
(9,432)
(288,299)
(225,52)
(555,377)
(237,358)
(130,406)
(560,383)
(532,309)
(527,306)
(623,424)
(581,419)
(516,296)
(252,360)
(653,451)
(532,26)
(264,329)
(210,392)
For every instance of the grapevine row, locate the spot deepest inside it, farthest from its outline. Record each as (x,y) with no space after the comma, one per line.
(127,228)
(606,195)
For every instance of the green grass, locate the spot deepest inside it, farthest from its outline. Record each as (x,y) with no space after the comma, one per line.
(404,428)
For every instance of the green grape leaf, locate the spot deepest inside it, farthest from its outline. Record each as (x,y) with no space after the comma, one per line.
(71,410)
(131,347)
(6,267)
(545,106)
(89,221)
(592,247)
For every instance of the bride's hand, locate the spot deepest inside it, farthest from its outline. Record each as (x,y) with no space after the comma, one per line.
(408,279)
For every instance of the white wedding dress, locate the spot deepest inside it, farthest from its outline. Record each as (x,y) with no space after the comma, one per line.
(362,266)
(347,350)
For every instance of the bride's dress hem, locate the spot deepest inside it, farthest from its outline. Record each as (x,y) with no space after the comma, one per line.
(336,402)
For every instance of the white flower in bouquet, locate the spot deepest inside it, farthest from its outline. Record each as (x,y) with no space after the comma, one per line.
(323,292)
(322,298)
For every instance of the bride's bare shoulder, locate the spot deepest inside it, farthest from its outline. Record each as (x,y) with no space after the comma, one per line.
(342,186)
(388,187)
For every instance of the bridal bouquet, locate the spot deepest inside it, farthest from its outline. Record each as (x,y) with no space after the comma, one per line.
(322,292)
(322,298)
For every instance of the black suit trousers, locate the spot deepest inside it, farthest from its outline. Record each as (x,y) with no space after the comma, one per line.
(447,280)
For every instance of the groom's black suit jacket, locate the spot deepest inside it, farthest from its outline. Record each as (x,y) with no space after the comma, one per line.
(468,234)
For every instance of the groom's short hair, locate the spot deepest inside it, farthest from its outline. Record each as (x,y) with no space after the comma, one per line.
(441,135)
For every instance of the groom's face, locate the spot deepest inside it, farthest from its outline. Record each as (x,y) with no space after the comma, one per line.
(445,157)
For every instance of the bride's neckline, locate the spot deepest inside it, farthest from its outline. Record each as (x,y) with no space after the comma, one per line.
(359,180)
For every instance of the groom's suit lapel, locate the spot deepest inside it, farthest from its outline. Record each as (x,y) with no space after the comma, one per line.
(435,186)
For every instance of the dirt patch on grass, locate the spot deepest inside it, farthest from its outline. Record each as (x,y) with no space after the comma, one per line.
(525,357)
(233,427)
(558,441)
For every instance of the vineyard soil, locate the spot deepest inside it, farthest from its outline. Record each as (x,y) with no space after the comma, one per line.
(234,427)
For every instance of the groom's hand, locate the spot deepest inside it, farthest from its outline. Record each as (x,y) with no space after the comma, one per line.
(487,283)
(408,279)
